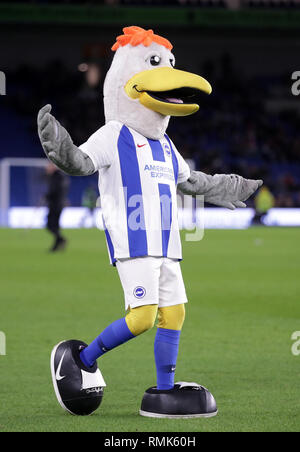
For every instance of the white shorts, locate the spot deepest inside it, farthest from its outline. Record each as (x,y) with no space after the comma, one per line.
(151,280)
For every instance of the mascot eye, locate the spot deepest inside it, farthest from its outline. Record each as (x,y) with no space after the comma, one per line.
(155,60)
(172,62)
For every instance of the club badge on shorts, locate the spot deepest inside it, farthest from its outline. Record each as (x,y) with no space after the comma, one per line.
(139,292)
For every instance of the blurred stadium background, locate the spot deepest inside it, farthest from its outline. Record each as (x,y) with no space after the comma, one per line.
(59,52)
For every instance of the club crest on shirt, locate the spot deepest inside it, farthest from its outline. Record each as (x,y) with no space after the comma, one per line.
(167,149)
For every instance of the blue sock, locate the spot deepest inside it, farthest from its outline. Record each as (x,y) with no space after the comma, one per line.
(115,334)
(166,347)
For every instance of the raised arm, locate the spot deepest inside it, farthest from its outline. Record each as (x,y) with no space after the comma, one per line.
(224,190)
(59,147)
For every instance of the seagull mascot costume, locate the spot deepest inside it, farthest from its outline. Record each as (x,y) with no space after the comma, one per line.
(139,170)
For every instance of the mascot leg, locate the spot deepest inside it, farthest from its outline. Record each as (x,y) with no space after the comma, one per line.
(166,345)
(169,400)
(77,381)
(137,321)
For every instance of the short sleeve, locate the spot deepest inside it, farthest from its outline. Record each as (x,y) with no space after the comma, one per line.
(100,147)
(184,171)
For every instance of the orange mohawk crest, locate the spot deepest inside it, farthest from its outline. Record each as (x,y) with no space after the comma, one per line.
(137,35)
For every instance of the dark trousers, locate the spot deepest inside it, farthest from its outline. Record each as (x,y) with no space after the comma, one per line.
(258,218)
(53,220)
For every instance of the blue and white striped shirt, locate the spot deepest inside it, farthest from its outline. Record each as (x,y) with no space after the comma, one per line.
(137,183)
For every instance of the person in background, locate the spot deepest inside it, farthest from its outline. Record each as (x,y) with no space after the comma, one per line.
(89,201)
(56,200)
(264,201)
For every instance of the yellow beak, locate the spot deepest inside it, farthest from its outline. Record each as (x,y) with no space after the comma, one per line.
(165,89)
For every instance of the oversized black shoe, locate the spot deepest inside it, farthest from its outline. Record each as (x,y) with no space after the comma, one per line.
(78,389)
(185,400)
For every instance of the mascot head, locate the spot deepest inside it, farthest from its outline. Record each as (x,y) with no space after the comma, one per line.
(142,88)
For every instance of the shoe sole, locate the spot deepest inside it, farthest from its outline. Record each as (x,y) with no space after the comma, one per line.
(54,381)
(177,416)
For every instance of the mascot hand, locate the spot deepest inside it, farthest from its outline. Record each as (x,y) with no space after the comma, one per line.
(59,146)
(224,190)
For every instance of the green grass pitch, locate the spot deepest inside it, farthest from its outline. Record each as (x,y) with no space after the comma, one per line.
(243,288)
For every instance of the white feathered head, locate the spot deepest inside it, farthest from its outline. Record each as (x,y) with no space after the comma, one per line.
(142,89)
